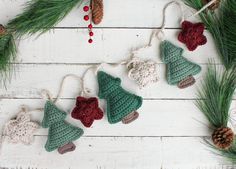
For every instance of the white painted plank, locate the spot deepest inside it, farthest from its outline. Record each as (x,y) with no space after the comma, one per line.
(131,13)
(157,118)
(110,45)
(112,152)
(31,79)
(190,153)
(92,153)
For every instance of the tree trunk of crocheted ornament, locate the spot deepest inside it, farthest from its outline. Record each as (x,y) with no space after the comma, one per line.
(61,134)
(97,11)
(223,137)
(214,6)
(180,71)
(121,104)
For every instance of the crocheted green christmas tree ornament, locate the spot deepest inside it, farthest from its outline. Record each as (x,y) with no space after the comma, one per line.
(180,71)
(61,134)
(121,105)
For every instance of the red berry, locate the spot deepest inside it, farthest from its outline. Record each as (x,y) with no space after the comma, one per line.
(91,33)
(86,17)
(90,26)
(86,8)
(90,41)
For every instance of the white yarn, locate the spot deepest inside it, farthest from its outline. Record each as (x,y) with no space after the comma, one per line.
(143,72)
(21,129)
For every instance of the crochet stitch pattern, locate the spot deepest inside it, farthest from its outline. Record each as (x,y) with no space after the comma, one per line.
(21,129)
(87,110)
(60,132)
(192,35)
(143,72)
(178,68)
(120,103)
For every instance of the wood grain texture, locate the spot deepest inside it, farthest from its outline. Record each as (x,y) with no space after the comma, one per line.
(170,131)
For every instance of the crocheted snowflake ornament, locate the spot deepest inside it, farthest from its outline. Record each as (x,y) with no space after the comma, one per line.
(21,129)
(180,71)
(121,104)
(192,35)
(61,134)
(87,110)
(143,72)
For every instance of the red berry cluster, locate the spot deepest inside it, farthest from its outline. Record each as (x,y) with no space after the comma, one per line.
(90,26)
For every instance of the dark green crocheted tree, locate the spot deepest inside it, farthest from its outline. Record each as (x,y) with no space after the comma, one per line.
(60,132)
(178,67)
(120,103)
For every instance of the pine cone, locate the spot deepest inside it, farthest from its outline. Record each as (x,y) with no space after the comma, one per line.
(214,6)
(223,137)
(97,11)
(2,30)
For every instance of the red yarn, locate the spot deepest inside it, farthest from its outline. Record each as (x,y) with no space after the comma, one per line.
(87,110)
(192,35)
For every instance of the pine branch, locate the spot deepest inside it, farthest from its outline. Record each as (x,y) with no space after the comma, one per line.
(222,28)
(215,95)
(41,15)
(7,56)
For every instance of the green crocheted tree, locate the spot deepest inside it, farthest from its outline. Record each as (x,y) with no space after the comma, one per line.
(180,71)
(61,134)
(121,105)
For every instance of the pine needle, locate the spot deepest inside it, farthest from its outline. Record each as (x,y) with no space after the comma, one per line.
(41,15)
(216,94)
(222,27)
(7,56)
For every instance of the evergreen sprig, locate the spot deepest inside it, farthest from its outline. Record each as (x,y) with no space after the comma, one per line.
(222,27)
(215,95)
(41,15)
(7,56)
(214,100)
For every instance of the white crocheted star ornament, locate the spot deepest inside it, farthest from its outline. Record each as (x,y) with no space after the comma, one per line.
(143,72)
(21,129)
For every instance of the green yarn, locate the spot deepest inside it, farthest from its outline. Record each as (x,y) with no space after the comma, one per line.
(60,132)
(178,68)
(120,102)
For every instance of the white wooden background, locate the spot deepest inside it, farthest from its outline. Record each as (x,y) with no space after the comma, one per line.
(170,130)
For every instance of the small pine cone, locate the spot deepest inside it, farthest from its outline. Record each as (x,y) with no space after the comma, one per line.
(223,137)
(97,11)
(2,30)
(214,6)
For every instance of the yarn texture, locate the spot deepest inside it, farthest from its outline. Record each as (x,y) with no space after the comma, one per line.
(192,35)
(21,129)
(60,132)
(178,68)
(143,72)
(87,110)
(120,103)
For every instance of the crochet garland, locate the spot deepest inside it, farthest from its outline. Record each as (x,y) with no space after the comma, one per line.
(122,105)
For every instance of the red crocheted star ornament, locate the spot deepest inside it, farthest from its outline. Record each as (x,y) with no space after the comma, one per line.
(192,35)
(87,110)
